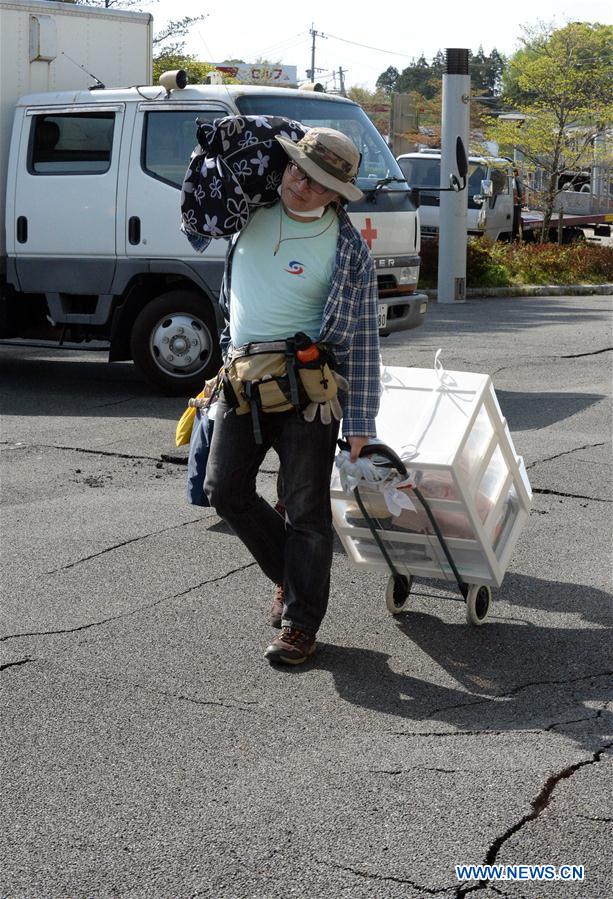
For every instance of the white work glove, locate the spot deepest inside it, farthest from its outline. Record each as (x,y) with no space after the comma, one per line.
(331,407)
(341,382)
(363,470)
(326,411)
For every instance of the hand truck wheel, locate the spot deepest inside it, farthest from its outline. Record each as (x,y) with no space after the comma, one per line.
(397,593)
(478,602)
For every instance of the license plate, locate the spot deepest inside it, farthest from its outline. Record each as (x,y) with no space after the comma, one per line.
(382,316)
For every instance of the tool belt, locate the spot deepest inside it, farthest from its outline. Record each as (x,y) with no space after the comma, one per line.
(270,377)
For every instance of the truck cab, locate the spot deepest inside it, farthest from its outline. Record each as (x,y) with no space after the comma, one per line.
(93,245)
(490,193)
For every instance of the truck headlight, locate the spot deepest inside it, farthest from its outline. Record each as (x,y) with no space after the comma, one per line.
(407,276)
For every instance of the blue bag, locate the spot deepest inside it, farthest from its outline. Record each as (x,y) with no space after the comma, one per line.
(199,447)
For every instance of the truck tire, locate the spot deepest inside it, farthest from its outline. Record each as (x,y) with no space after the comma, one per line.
(174,342)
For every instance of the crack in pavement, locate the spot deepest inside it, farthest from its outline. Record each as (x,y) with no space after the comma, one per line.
(115,403)
(172,694)
(78,449)
(212,581)
(576,720)
(15,664)
(539,804)
(124,543)
(486,699)
(458,733)
(607,349)
(515,690)
(145,608)
(395,771)
(596,819)
(431,891)
(565,453)
(592,499)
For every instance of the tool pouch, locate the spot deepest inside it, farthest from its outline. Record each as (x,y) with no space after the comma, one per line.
(261,377)
(258,380)
(317,381)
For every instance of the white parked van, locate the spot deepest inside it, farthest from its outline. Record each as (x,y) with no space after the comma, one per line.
(93,247)
(490,208)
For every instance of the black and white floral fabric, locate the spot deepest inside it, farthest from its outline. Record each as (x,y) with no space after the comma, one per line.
(236,167)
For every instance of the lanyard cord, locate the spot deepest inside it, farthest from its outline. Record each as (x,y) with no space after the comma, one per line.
(299,237)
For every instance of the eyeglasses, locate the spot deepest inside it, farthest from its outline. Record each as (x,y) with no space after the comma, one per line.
(298,175)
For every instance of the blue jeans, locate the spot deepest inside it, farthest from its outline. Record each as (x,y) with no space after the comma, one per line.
(296,552)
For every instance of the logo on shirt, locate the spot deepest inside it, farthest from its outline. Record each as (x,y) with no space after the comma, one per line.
(295,268)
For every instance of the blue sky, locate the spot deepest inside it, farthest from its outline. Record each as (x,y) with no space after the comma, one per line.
(394,33)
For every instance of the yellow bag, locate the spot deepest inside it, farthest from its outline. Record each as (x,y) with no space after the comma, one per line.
(186,423)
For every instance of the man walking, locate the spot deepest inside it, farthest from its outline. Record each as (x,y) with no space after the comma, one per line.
(299,266)
(518,203)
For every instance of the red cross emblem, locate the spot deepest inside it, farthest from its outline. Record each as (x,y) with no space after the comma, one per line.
(369,233)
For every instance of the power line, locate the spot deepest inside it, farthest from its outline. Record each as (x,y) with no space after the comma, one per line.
(291,41)
(369,47)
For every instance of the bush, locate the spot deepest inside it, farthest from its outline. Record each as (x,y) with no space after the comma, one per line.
(550,263)
(504,265)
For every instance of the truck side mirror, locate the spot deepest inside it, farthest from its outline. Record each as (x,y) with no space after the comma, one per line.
(456,183)
(461,160)
(487,188)
(415,197)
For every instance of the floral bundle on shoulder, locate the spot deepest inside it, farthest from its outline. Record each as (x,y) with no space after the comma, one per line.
(236,167)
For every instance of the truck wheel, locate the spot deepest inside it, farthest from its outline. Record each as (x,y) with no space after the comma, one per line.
(573,235)
(174,342)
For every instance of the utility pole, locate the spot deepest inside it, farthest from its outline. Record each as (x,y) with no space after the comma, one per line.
(341,76)
(314,34)
(453,204)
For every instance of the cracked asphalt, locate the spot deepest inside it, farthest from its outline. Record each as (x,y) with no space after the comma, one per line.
(147,748)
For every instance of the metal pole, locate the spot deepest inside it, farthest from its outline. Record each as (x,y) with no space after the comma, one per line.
(342,80)
(313,35)
(453,209)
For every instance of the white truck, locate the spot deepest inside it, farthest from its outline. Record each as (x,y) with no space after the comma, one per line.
(491,198)
(92,248)
(490,206)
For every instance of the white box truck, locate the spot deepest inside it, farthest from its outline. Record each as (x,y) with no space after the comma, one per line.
(91,190)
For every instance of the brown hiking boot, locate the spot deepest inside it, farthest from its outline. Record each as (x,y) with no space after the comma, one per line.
(291,647)
(276,612)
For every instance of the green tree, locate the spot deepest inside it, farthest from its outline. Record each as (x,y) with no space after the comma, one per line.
(494,69)
(486,73)
(376,106)
(388,79)
(417,77)
(425,77)
(560,82)
(170,39)
(196,69)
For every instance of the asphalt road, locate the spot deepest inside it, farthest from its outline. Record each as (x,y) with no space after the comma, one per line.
(147,748)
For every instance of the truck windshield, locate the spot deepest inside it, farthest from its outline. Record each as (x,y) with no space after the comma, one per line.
(425,171)
(377,159)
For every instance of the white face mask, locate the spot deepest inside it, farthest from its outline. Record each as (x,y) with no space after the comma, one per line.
(311,214)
